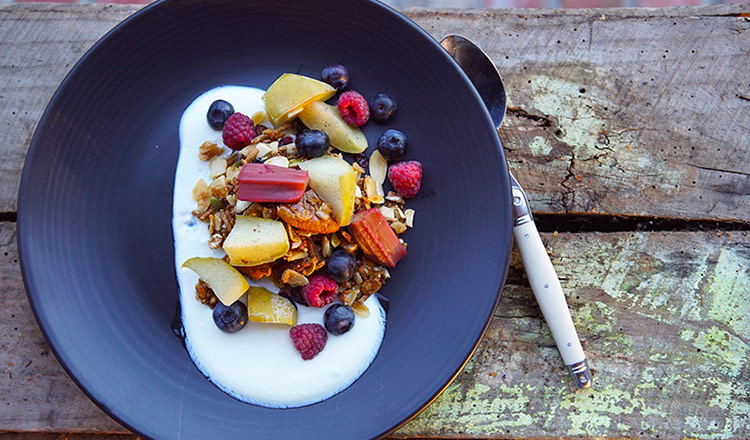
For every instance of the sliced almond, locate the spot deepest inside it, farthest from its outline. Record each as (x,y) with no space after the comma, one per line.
(378,167)
(264,150)
(387,213)
(409,215)
(241,206)
(217,166)
(279,161)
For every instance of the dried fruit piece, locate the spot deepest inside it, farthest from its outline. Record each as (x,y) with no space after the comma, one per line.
(376,238)
(304,214)
(268,183)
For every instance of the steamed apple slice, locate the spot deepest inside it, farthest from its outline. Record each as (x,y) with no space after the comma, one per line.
(226,282)
(268,307)
(255,241)
(335,182)
(321,116)
(288,95)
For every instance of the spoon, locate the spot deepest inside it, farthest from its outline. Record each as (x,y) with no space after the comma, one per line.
(541,274)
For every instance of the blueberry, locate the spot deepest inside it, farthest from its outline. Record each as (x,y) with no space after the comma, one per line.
(382,108)
(296,297)
(339,319)
(218,113)
(392,145)
(230,318)
(341,266)
(337,76)
(312,143)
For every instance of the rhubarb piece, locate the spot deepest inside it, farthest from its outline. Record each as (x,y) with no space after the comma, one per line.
(376,239)
(269,183)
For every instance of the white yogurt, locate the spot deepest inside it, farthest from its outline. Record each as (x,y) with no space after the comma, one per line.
(258,364)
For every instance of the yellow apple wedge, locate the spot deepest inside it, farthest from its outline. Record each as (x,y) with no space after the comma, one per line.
(227,282)
(268,307)
(335,182)
(255,241)
(318,115)
(288,95)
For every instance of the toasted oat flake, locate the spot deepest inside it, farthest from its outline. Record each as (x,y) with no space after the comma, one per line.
(249,153)
(218,187)
(360,310)
(200,191)
(207,150)
(398,227)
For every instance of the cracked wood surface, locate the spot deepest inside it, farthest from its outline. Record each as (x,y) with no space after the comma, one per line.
(664,316)
(622,111)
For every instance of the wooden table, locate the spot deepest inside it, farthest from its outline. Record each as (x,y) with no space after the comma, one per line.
(629,129)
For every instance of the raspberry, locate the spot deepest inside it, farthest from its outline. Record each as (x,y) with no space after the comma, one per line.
(308,339)
(321,290)
(406,177)
(239,130)
(354,109)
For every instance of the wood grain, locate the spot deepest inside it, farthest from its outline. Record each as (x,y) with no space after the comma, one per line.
(623,111)
(663,316)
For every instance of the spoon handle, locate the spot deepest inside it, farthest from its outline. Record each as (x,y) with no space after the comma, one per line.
(549,294)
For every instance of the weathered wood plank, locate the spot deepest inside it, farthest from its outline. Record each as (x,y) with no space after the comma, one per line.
(623,111)
(664,318)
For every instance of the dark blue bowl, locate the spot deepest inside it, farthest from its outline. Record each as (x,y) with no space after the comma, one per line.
(94,222)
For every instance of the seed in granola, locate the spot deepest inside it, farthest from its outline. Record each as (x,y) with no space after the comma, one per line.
(294,278)
(325,246)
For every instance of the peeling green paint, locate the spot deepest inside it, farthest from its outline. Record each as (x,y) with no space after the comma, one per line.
(727,351)
(594,408)
(540,146)
(730,286)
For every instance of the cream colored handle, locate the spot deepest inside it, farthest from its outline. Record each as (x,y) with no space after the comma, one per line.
(548,292)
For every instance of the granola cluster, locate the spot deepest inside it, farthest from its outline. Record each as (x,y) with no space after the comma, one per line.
(312,231)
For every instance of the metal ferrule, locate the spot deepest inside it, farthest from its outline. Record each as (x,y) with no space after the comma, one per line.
(581,374)
(521,211)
